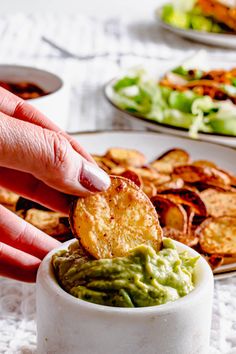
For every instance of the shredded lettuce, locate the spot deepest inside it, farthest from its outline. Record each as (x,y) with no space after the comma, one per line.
(143,96)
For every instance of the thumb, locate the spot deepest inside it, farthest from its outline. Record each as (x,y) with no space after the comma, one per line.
(48,156)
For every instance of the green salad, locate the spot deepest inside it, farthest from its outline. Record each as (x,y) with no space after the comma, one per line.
(177,105)
(186,14)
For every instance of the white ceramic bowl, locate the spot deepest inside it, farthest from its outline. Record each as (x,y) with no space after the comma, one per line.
(67,325)
(55,104)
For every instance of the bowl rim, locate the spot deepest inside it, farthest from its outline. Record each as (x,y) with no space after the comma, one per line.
(49,74)
(47,279)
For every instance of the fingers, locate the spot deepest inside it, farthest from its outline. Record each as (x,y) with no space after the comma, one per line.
(49,157)
(17,233)
(14,106)
(17,265)
(77,147)
(22,246)
(30,187)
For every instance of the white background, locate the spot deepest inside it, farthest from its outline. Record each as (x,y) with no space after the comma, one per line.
(98,8)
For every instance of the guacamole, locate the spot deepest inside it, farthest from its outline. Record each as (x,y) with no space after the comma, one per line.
(143,278)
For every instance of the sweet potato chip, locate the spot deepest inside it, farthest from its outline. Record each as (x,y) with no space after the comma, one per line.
(190,216)
(132,176)
(126,157)
(186,197)
(231,177)
(162,178)
(162,166)
(149,189)
(219,203)
(204,163)
(193,174)
(118,170)
(197,220)
(218,235)
(171,184)
(188,239)
(146,172)
(175,157)
(49,222)
(8,198)
(201,186)
(171,215)
(214,260)
(229,259)
(191,187)
(110,223)
(106,164)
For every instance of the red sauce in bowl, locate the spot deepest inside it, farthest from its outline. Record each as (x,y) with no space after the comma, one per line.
(25,90)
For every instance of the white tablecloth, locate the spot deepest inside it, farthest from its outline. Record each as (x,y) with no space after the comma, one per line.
(145,43)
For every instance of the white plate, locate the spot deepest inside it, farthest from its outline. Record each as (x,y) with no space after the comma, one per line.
(213,39)
(164,128)
(153,144)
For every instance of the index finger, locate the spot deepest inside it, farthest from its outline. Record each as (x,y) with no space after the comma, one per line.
(17,264)
(17,233)
(30,187)
(15,107)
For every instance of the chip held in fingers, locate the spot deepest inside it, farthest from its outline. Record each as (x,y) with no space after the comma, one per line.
(111,223)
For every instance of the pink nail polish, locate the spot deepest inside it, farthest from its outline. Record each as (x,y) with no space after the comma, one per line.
(93,178)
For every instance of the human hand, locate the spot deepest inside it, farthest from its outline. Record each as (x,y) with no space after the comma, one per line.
(42,163)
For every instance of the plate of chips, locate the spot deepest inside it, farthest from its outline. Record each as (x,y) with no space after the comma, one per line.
(192,185)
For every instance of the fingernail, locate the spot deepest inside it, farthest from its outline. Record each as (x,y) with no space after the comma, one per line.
(93,178)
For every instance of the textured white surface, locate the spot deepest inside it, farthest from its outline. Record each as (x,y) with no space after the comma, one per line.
(21,43)
(102,8)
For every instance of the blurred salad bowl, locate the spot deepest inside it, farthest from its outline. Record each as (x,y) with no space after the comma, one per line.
(187,100)
(208,21)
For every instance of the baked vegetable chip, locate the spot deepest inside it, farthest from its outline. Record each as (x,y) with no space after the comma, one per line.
(118,170)
(214,260)
(126,157)
(186,197)
(8,198)
(104,163)
(171,215)
(201,186)
(190,215)
(204,163)
(162,166)
(110,223)
(146,172)
(193,174)
(231,177)
(188,239)
(132,176)
(219,203)
(218,235)
(52,223)
(174,157)
(149,189)
(172,184)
